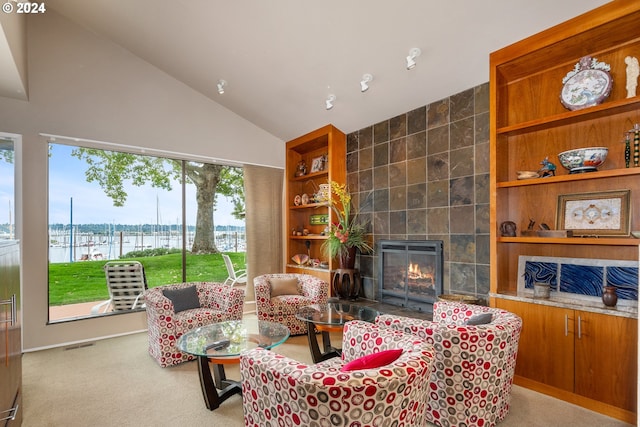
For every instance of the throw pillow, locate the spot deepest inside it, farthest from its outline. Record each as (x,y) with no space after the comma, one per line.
(372,361)
(479,319)
(183,298)
(284,287)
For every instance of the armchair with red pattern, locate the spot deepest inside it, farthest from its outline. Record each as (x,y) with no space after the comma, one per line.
(381,379)
(475,351)
(280,296)
(175,309)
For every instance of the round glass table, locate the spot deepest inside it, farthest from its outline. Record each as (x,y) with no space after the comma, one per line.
(221,343)
(331,317)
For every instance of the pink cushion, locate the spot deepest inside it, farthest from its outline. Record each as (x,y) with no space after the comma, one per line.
(372,361)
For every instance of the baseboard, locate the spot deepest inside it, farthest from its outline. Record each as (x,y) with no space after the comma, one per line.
(576,399)
(249,307)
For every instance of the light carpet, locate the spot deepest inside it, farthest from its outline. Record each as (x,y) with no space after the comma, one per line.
(115,382)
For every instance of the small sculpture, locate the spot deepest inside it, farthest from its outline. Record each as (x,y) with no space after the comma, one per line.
(508,229)
(633,69)
(301,170)
(547,169)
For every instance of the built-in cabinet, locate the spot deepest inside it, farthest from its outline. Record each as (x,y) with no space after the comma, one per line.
(10,335)
(592,356)
(528,124)
(313,160)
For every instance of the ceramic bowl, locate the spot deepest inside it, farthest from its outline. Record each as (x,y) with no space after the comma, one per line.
(583,159)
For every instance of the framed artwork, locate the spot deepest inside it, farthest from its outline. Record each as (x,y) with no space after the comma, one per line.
(594,214)
(317,164)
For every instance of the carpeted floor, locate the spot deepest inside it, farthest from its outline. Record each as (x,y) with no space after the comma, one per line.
(115,382)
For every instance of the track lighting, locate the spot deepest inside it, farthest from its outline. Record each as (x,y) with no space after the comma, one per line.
(330,100)
(411,59)
(364,83)
(221,85)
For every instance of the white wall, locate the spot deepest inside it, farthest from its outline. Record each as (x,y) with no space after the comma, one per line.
(86,87)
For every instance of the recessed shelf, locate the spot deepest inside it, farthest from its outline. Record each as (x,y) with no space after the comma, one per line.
(568,178)
(572,117)
(602,241)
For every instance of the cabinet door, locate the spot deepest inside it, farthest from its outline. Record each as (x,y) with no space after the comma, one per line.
(607,359)
(10,332)
(546,346)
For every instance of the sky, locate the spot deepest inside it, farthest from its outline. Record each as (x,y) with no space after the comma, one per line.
(144,205)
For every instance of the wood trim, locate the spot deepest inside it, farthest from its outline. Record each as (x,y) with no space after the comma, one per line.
(584,402)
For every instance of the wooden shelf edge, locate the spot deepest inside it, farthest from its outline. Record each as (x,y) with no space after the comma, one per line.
(607,108)
(601,241)
(311,176)
(309,206)
(304,267)
(310,237)
(611,173)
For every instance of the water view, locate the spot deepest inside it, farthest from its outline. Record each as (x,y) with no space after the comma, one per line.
(63,247)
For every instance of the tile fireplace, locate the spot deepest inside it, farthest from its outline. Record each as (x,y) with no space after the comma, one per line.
(410,273)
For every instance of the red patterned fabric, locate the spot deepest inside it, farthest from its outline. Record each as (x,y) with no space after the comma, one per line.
(279,391)
(283,308)
(218,303)
(474,368)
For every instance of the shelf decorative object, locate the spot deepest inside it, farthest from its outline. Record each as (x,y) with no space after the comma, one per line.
(588,84)
(580,160)
(346,234)
(636,144)
(318,163)
(633,70)
(595,214)
(609,296)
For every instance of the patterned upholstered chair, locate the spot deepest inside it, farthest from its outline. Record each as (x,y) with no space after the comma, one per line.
(279,296)
(277,390)
(474,368)
(175,309)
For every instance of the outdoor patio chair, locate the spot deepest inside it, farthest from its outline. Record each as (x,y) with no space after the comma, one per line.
(126,282)
(235,276)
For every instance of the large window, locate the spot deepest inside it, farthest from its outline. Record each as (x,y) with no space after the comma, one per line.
(108,205)
(7,189)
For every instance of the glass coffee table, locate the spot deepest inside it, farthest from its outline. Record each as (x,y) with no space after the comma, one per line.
(221,344)
(331,317)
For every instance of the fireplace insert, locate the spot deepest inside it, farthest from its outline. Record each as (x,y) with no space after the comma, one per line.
(410,272)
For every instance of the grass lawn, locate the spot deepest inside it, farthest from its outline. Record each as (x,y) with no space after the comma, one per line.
(71,283)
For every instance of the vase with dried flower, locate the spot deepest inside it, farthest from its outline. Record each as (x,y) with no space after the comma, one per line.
(347,234)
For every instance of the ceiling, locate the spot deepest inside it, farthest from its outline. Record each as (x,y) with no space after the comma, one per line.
(282,58)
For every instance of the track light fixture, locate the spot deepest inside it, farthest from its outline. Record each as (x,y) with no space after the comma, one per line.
(364,83)
(411,59)
(330,100)
(221,85)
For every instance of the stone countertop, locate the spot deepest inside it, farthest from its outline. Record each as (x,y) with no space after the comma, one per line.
(626,310)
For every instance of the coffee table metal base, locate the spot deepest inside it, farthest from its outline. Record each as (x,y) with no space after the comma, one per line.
(328,351)
(210,385)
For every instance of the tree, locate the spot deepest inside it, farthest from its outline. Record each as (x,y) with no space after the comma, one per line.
(111,169)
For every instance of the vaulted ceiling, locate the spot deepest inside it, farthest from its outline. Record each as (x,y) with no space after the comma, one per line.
(282,58)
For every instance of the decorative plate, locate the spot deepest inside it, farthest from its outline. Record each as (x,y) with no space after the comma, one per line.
(588,84)
(297,200)
(305,199)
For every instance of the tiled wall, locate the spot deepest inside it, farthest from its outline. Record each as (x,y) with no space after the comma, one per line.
(425,175)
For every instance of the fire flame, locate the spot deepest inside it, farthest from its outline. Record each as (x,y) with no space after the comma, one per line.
(414,272)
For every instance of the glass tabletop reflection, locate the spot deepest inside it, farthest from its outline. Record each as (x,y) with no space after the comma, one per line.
(336,314)
(230,338)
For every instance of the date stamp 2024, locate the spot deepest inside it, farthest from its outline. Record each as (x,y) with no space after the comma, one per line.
(26,7)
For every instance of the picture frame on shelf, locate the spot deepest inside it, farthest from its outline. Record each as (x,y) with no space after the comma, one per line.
(605,213)
(318,164)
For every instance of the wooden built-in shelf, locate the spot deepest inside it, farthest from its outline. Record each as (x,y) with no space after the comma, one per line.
(611,173)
